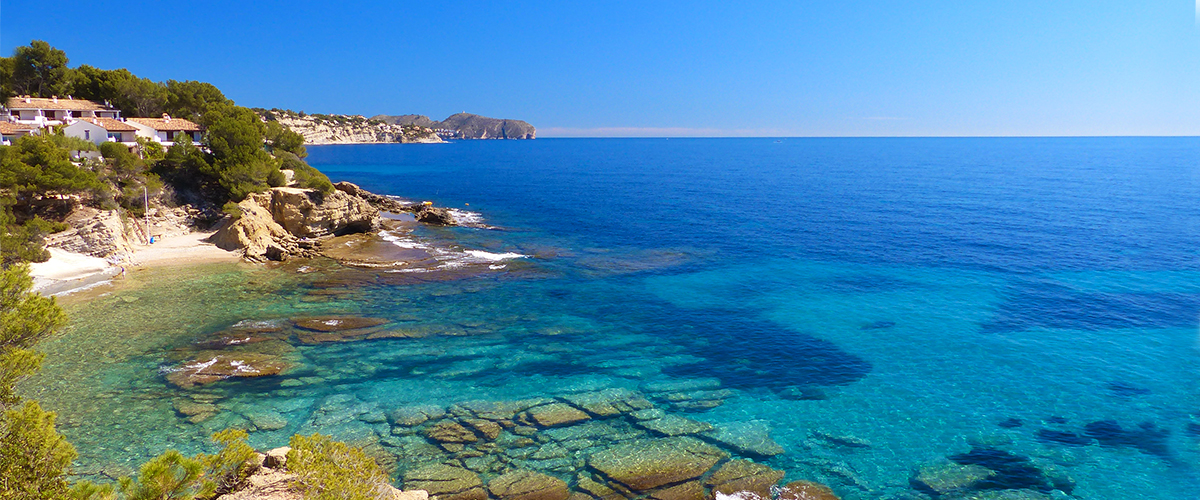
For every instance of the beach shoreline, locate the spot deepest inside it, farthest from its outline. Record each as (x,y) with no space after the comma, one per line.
(69,272)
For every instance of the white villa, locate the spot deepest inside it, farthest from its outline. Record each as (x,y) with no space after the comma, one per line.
(166,129)
(100,130)
(41,112)
(90,121)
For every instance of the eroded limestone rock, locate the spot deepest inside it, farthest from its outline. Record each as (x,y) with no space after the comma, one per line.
(646,465)
(528,485)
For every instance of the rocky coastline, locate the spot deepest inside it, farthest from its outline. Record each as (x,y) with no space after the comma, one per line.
(350,129)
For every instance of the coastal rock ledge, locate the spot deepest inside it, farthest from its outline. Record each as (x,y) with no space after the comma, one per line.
(283,222)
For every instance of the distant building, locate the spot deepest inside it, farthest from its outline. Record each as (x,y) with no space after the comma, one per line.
(10,132)
(100,130)
(42,111)
(166,129)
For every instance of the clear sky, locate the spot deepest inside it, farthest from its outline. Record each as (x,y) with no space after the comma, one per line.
(646,68)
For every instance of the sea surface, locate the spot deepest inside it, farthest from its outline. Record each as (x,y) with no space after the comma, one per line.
(873,305)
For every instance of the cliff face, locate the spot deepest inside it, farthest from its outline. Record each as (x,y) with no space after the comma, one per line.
(350,129)
(276,224)
(468,126)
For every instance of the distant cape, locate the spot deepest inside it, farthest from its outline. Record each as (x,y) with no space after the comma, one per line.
(467,126)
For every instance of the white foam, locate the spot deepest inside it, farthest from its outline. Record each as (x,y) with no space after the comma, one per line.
(494,257)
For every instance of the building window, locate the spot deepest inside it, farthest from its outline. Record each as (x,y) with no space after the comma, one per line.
(87,135)
(115,136)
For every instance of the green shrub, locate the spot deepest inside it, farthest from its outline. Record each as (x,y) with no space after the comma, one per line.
(276,179)
(170,476)
(233,464)
(232,209)
(151,150)
(33,456)
(71,143)
(331,470)
(112,149)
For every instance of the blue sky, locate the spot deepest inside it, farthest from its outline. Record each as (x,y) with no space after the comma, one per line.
(644,68)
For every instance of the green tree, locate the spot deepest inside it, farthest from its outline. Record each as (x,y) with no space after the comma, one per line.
(141,97)
(235,137)
(33,456)
(191,99)
(101,85)
(41,70)
(280,138)
(6,75)
(36,166)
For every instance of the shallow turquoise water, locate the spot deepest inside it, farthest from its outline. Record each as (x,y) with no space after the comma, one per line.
(905,296)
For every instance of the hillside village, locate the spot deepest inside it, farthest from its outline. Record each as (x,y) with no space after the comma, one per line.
(90,121)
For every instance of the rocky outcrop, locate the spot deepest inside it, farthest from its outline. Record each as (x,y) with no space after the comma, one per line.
(350,129)
(98,233)
(467,126)
(383,203)
(281,222)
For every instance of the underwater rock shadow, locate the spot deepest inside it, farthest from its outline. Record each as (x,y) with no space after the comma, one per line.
(749,353)
(1040,304)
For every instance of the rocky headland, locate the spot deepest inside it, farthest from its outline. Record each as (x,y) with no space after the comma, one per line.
(467,126)
(349,129)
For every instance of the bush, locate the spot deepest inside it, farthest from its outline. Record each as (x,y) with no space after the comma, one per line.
(71,143)
(232,209)
(151,150)
(330,470)
(170,476)
(276,179)
(233,464)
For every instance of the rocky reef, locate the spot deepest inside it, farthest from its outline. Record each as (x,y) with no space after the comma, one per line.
(349,129)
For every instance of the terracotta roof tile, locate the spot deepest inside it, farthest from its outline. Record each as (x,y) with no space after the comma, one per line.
(163,124)
(11,128)
(111,125)
(63,103)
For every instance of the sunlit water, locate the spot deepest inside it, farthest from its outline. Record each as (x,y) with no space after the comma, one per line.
(879,304)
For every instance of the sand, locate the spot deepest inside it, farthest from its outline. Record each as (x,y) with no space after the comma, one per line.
(68,272)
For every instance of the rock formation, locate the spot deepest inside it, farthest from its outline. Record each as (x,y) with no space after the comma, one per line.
(468,126)
(282,222)
(350,129)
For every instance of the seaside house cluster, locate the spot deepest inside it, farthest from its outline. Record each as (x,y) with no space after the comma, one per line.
(88,120)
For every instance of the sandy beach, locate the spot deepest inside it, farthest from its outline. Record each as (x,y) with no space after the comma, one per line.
(68,272)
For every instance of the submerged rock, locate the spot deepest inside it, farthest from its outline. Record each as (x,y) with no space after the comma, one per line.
(646,465)
(672,425)
(748,438)
(337,323)
(209,367)
(609,402)
(556,414)
(806,490)
(446,482)
(412,416)
(448,431)
(528,485)
(743,475)
(947,478)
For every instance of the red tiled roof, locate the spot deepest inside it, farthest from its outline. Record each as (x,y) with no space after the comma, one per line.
(165,124)
(12,128)
(111,125)
(63,103)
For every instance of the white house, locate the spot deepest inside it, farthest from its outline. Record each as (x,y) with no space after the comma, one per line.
(10,132)
(100,130)
(166,129)
(41,111)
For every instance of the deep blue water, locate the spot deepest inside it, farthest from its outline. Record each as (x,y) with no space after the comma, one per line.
(913,293)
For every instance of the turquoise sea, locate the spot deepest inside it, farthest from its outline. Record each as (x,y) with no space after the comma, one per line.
(874,306)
